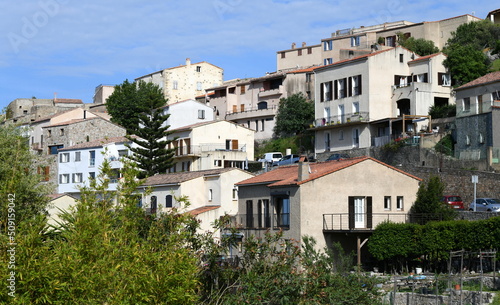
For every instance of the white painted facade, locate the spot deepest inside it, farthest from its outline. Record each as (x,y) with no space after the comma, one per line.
(186,113)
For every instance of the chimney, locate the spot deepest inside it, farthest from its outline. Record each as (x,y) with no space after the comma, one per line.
(188,61)
(293,45)
(303,44)
(303,169)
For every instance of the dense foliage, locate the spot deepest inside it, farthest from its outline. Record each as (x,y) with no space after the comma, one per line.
(420,46)
(294,116)
(443,111)
(19,181)
(404,245)
(152,153)
(129,100)
(471,50)
(429,201)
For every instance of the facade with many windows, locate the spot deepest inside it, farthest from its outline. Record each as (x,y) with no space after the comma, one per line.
(375,98)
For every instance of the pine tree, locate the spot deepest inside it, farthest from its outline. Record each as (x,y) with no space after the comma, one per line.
(152,155)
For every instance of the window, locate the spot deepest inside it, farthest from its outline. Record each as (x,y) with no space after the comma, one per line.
(175,85)
(355,41)
(399,203)
(341,135)
(326,91)
(328,61)
(49,132)
(64,178)
(466,104)
(92,175)
(355,85)
(61,132)
(327,141)
(198,86)
(64,157)
(309,50)
(210,195)
(198,68)
(256,125)
(263,214)
(122,153)
(282,211)
(77,178)
(340,88)
(53,149)
(283,54)
(249,213)
(78,156)
(299,52)
(444,79)
(328,45)
(355,137)
(401,58)
(420,78)
(44,171)
(168,201)
(92,158)
(495,96)
(242,89)
(390,41)
(201,114)
(355,107)
(218,163)
(387,202)
(154,204)
(235,193)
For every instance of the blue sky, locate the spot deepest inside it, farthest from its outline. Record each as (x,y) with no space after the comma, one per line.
(70,47)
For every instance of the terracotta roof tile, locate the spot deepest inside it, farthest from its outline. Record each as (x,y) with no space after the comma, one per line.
(202,210)
(174,178)
(287,175)
(488,78)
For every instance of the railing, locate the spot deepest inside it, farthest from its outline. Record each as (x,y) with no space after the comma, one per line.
(342,119)
(261,221)
(253,109)
(187,150)
(346,221)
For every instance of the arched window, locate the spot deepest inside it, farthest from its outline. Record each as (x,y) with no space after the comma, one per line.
(262,105)
(154,204)
(168,201)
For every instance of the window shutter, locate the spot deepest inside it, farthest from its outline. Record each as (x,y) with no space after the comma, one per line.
(359,85)
(351,213)
(396,80)
(322,92)
(350,86)
(335,90)
(369,212)
(47,173)
(330,87)
(426,78)
(414,78)
(345,87)
(234,144)
(440,79)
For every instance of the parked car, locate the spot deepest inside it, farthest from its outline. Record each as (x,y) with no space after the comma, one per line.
(287,160)
(486,205)
(271,157)
(454,201)
(336,157)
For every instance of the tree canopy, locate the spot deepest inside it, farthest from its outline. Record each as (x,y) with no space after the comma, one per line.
(429,200)
(295,114)
(471,50)
(130,99)
(420,46)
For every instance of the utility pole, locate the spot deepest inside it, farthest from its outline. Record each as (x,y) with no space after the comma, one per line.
(475,180)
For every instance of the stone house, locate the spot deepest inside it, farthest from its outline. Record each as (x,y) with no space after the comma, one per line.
(375,98)
(27,110)
(185,81)
(211,193)
(478,120)
(334,201)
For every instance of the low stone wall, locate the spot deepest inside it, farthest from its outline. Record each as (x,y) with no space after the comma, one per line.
(468,297)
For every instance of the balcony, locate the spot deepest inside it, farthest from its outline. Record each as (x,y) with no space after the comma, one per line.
(351,118)
(252,112)
(342,222)
(197,150)
(270,92)
(261,221)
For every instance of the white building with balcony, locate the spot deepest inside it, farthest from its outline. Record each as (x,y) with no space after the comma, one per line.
(212,145)
(79,163)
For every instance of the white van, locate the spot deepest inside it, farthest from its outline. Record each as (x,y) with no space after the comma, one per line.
(271,157)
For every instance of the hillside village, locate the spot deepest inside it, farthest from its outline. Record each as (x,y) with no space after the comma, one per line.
(368,92)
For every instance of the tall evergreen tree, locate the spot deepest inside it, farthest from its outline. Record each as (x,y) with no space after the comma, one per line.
(295,113)
(152,155)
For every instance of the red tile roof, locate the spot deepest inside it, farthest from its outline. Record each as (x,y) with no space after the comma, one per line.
(202,210)
(288,175)
(425,57)
(174,178)
(488,78)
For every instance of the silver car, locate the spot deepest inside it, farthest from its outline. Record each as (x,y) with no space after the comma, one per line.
(485,205)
